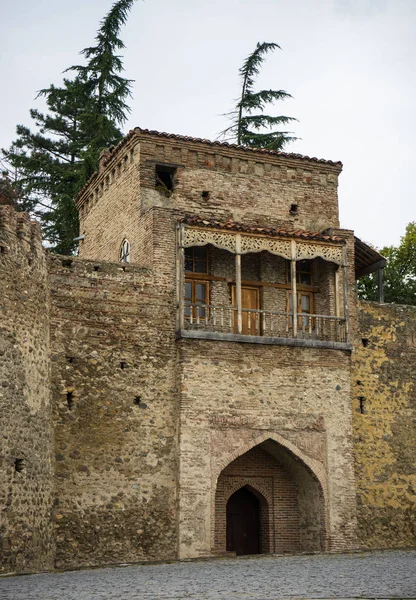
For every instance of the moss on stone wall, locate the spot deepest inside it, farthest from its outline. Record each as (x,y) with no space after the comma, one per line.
(384,409)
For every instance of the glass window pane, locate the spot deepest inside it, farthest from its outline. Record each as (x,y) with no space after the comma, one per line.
(200,252)
(188,291)
(200,266)
(189,265)
(305,278)
(187,310)
(189,253)
(306,303)
(200,292)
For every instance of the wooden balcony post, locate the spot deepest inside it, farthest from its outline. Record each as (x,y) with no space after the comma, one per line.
(346,310)
(336,292)
(238,282)
(180,279)
(380,288)
(294,292)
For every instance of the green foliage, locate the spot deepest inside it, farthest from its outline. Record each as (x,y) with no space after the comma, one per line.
(399,273)
(246,127)
(50,164)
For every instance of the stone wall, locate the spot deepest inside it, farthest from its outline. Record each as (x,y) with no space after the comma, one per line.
(26,472)
(114,407)
(237,396)
(384,411)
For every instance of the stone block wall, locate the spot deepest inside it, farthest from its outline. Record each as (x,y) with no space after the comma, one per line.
(384,419)
(237,396)
(26,470)
(114,413)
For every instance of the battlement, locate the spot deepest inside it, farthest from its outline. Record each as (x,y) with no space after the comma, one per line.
(17,229)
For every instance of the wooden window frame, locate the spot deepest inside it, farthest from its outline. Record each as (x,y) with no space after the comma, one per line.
(194,283)
(197,273)
(299,272)
(300,313)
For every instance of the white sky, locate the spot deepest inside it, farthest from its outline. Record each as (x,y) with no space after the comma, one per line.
(350,65)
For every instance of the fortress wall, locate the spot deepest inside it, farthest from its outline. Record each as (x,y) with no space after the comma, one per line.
(26,471)
(384,419)
(114,407)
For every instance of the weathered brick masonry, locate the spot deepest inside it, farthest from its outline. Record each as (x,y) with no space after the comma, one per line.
(134,431)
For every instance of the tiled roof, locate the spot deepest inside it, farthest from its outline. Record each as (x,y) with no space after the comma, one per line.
(186,138)
(233,226)
(137,130)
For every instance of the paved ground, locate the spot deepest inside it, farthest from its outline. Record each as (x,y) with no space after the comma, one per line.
(390,574)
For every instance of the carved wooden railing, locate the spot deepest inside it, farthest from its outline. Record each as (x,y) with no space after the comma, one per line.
(275,324)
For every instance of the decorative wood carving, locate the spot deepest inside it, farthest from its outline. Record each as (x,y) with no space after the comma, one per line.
(272,245)
(279,247)
(201,237)
(305,251)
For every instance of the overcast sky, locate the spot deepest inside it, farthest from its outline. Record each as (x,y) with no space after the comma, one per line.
(350,65)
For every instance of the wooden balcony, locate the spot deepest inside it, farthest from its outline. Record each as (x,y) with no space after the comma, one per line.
(253,316)
(204,321)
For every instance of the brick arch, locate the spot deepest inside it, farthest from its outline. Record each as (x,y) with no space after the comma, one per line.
(248,482)
(226,488)
(313,465)
(309,466)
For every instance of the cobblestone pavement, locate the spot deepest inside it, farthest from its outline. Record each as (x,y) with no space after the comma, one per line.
(389,574)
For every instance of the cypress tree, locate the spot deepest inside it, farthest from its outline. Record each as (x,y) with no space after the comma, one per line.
(53,162)
(247,128)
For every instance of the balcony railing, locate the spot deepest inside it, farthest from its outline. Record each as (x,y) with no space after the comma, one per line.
(266,323)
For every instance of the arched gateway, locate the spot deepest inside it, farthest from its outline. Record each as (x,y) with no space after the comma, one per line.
(268,500)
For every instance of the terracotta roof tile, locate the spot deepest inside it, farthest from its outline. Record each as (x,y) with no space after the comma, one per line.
(187,138)
(233,226)
(137,130)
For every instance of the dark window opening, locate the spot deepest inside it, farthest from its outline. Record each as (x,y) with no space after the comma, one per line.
(2,249)
(96,268)
(67,262)
(70,359)
(123,364)
(293,209)
(196,259)
(70,400)
(362,405)
(165,178)
(205,195)
(19,464)
(359,382)
(364,342)
(303,272)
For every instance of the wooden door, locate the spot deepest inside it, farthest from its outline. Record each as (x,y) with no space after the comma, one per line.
(250,299)
(243,523)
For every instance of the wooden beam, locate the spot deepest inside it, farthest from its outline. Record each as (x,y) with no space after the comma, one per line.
(238,282)
(345,286)
(380,287)
(180,278)
(294,291)
(380,264)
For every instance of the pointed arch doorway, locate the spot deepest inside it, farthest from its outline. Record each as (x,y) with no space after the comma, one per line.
(243,523)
